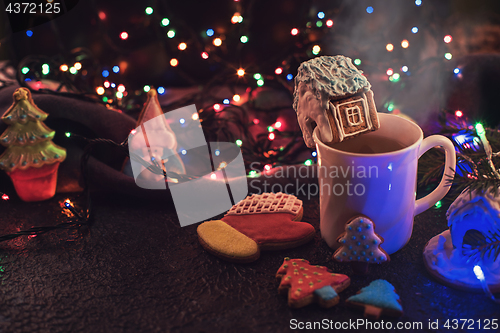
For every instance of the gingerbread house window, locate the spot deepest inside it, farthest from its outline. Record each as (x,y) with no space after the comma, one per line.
(353,115)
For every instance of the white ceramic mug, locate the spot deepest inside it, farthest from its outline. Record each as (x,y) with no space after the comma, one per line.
(375,174)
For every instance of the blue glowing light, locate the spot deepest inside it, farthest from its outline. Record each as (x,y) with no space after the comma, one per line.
(418,2)
(314,154)
(29,33)
(404,69)
(217,152)
(183,152)
(289,77)
(116,69)
(456,70)
(210,32)
(113,85)
(161,90)
(369,9)
(105,73)
(182,120)
(226,101)
(321,15)
(414,30)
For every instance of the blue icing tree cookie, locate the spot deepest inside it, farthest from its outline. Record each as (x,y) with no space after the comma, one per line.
(326,293)
(377,298)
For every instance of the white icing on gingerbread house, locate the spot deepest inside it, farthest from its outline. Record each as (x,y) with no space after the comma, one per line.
(267,203)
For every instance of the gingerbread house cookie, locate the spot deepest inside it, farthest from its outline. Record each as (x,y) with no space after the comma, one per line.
(333,93)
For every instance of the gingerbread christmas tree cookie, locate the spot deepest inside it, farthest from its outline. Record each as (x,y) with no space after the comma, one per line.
(378,298)
(269,220)
(31,159)
(305,283)
(360,245)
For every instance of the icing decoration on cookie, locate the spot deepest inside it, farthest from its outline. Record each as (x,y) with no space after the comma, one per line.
(267,203)
(331,92)
(378,298)
(305,283)
(360,242)
(270,220)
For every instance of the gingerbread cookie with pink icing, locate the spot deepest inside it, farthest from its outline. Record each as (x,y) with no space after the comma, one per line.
(360,245)
(305,283)
(260,222)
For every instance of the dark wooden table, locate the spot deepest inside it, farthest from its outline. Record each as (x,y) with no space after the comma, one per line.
(136,270)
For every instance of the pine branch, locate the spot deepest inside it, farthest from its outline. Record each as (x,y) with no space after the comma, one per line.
(478,246)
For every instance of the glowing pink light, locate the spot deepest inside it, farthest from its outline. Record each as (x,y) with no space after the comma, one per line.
(5,197)
(217,107)
(278,70)
(124,35)
(277,124)
(271,136)
(459,113)
(267,167)
(256,121)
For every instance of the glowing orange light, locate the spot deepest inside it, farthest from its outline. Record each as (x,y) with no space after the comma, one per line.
(240,72)
(236,18)
(271,136)
(64,68)
(174,62)
(121,88)
(389,47)
(267,167)
(100,90)
(182,46)
(329,23)
(405,44)
(217,107)
(447,39)
(278,70)
(294,32)
(459,113)
(77,65)
(217,42)
(124,35)
(204,55)
(236,98)
(277,124)
(389,72)
(213,176)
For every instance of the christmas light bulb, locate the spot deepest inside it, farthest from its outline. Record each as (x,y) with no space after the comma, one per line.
(294,31)
(389,47)
(124,35)
(182,46)
(217,42)
(204,55)
(278,70)
(329,23)
(240,72)
(165,21)
(174,62)
(64,67)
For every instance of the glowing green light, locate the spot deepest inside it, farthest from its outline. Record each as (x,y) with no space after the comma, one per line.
(319,24)
(308,162)
(68,134)
(73,70)
(146,88)
(171,34)
(390,108)
(438,204)
(395,77)
(270,129)
(257,76)
(243,39)
(104,99)
(260,82)
(252,174)
(165,21)
(239,142)
(45,69)
(149,10)
(448,56)
(25,70)
(480,129)
(357,62)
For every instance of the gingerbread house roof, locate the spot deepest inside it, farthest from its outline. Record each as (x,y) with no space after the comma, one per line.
(335,75)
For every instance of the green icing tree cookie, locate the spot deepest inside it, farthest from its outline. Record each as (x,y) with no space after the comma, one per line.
(31,158)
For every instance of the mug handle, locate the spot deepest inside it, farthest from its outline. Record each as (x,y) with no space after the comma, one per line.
(440,191)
